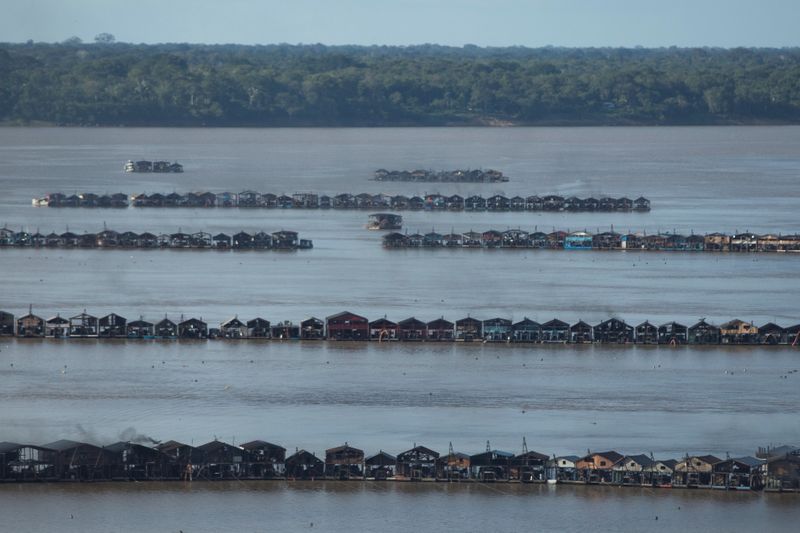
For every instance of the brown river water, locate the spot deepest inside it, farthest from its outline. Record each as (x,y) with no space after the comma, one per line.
(563,399)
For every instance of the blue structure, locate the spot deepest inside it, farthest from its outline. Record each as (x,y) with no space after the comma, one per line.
(579,240)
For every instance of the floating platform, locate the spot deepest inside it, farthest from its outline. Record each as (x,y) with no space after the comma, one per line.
(152,166)
(308,200)
(516,239)
(441,176)
(347,326)
(110,239)
(153,460)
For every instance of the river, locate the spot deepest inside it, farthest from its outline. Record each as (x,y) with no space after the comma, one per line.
(563,399)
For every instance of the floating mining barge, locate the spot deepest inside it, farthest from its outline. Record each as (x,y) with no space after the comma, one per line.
(66,460)
(152,166)
(432,202)
(609,240)
(110,239)
(347,326)
(453,176)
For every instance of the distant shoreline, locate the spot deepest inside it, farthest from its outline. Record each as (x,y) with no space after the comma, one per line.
(185,85)
(444,125)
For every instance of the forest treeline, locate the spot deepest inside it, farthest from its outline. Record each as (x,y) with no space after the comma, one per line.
(73,83)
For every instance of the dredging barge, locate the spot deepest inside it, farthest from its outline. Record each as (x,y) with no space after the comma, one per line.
(152,166)
(201,240)
(67,460)
(452,176)
(517,239)
(309,200)
(384,221)
(348,326)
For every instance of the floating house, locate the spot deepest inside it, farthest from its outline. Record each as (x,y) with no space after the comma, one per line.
(184,460)
(529,466)
(25,462)
(783,472)
(412,329)
(613,331)
(140,329)
(695,471)
(264,459)
(497,330)
(220,461)
(672,333)
(136,462)
(221,241)
(468,329)
(312,329)
(166,329)
(738,332)
(497,202)
(717,242)
(471,239)
(382,330)
(6,324)
(553,203)
(83,325)
(112,325)
(555,331)
(526,330)
(380,466)
(703,333)
(395,240)
(633,470)
(79,461)
(233,328)
(609,240)
(384,221)
(597,467)
(646,333)
(285,330)
(662,472)
(242,241)
(285,240)
(56,327)
(641,204)
(258,328)
(417,463)
(515,238)
(347,326)
(492,239)
(563,468)
(344,462)
(740,473)
(440,330)
(454,466)
(771,333)
(491,465)
(193,328)
(581,333)
(304,465)
(475,203)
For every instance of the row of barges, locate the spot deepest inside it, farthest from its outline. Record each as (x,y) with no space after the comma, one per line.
(347,326)
(608,240)
(454,176)
(152,166)
(67,460)
(432,202)
(201,240)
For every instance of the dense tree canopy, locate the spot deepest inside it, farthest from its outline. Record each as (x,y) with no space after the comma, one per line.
(110,83)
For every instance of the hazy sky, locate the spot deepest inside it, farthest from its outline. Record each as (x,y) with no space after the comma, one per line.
(533,23)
